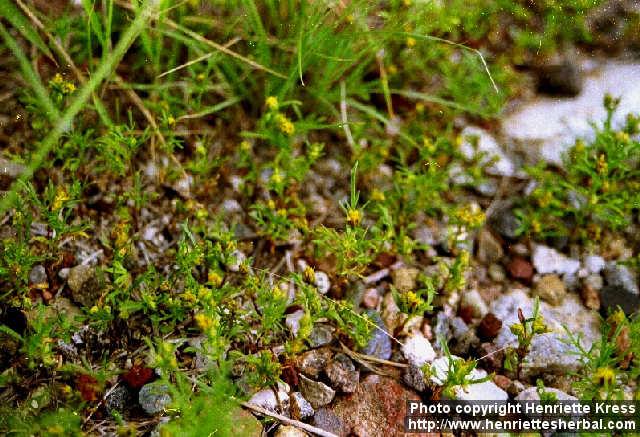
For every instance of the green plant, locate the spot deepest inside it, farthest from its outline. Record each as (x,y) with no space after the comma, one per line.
(525,330)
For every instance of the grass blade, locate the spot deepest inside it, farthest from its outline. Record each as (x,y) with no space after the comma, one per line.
(12,14)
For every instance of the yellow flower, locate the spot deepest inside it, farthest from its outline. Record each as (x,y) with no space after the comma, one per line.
(602,165)
(285,125)
(517,329)
(245,146)
(61,197)
(354,216)
(200,77)
(171,121)
(411,42)
(272,103)
(377,195)
(393,69)
(276,178)
(94,309)
(214,278)
(539,327)
(271,204)
(309,274)
(604,376)
(419,107)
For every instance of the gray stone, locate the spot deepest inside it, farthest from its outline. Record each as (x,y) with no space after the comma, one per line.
(594,264)
(620,289)
(267,399)
(343,374)
(489,248)
(154,397)
(312,362)
(10,169)
(504,221)
(322,282)
(478,141)
(472,299)
(547,260)
(327,420)
(321,334)
(379,344)
(292,321)
(497,273)
(317,393)
(38,275)
(84,285)
(472,391)
(414,378)
(550,352)
(118,399)
(300,407)
(418,350)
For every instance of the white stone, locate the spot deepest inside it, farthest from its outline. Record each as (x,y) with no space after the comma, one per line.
(545,128)
(479,391)
(322,282)
(418,350)
(293,321)
(488,146)
(547,260)
(474,300)
(594,263)
(267,399)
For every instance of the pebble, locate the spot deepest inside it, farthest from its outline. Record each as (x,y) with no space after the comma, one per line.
(370,298)
(548,260)
(38,275)
(474,300)
(312,362)
(520,268)
(504,221)
(486,391)
(267,399)
(414,378)
(237,258)
(476,140)
(317,393)
(620,289)
(590,297)
(531,394)
(84,285)
(379,345)
(343,374)
(321,334)
(322,282)
(497,273)
(292,321)
(118,399)
(594,264)
(289,431)
(489,248)
(300,407)
(404,279)
(418,350)
(489,327)
(154,397)
(551,289)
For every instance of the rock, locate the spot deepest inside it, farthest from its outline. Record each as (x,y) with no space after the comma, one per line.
(620,289)
(327,420)
(391,314)
(594,281)
(590,297)
(520,268)
(474,300)
(10,169)
(317,393)
(323,284)
(550,352)
(300,407)
(414,378)
(485,391)
(594,264)
(267,399)
(489,327)
(154,397)
(418,350)
(289,431)
(504,221)
(343,374)
(376,409)
(313,362)
(497,273)
(321,334)
(464,338)
(551,289)
(118,399)
(531,394)
(237,259)
(492,356)
(404,279)
(548,260)
(489,248)
(370,298)
(475,141)
(379,344)
(545,128)
(292,321)
(38,275)
(562,78)
(502,381)
(84,285)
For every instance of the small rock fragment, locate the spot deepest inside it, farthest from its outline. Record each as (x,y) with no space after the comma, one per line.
(154,397)
(414,378)
(404,279)
(267,399)
(489,327)
(551,289)
(322,282)
(489,248)
(38,275)
(548,260)
(504,221)
(311,363)
(474,300)
(520,268)
(620,289)
(300,407)
(343,374)
(292,321)
(497,273)
(84,285)
(321,334)
(380,344)
(594,263)
(418,350)
(289,431)
(118,399)
(370,298)
(317,393)
(327,420)
(590,297)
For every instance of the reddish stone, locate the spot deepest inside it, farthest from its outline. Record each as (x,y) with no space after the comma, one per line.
(138,376)
(590,297)
(489,327)
(377,408)
(502,381)
(520,268)
(466,313)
